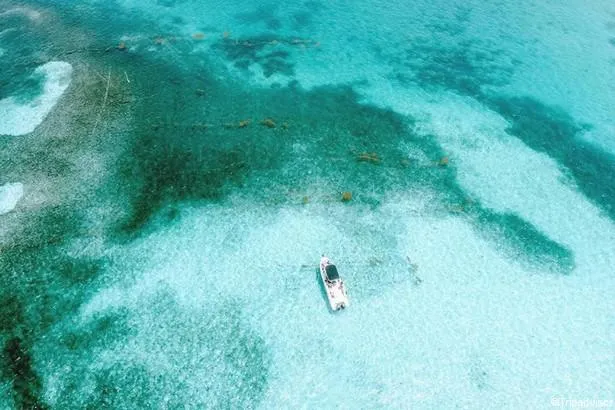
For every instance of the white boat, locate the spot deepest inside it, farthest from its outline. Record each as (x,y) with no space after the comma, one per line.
(334,285)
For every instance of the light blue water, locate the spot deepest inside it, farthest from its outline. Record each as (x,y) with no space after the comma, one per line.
(183,170)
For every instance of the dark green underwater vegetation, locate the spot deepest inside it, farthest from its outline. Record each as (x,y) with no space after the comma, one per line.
(474,69)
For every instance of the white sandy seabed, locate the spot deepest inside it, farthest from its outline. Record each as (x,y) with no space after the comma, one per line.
(19,118)
(481,331)
(10,194)
(23,118)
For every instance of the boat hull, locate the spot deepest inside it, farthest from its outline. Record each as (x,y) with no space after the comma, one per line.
(335,290)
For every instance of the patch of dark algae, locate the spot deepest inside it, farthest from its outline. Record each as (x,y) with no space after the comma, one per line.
(526,243)
(41,282)
(474,69)
(171,155)
(192,147)
(41,285)
(553,131)
(18,367)
(175,357)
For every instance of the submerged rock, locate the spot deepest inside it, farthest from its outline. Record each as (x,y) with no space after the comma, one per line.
(268,122)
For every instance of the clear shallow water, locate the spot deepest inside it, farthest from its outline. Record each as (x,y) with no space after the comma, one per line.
(163,252)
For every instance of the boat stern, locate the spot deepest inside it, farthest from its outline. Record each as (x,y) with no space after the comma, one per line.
(337,296)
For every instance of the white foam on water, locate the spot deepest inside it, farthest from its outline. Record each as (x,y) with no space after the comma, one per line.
(10,194)
(21,119)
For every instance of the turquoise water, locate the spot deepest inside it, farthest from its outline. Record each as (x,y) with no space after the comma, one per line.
(171,172)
